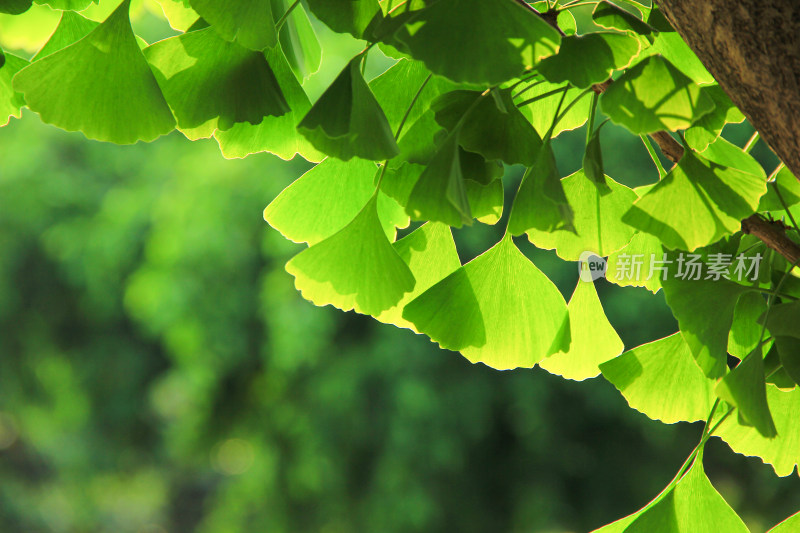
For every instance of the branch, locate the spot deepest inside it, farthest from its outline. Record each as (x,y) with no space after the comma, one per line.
(771,233)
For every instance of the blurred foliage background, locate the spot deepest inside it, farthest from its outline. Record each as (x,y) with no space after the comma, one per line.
(159,372)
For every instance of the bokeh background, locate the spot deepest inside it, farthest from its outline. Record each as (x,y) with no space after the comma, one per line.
(160,373)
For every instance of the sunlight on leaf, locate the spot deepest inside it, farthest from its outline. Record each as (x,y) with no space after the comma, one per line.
(10,100)
(249,22)
(345,16)
(71,28)
(745,388)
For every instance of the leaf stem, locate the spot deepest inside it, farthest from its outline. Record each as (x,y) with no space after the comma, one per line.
(771,299)
(285,16)
(592,112)
(654,156)
(785,206)
(540,96)
(751,143)
(569,106)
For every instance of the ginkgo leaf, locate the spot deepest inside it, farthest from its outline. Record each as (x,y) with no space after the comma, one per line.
(789,188)
(745,333)
(789,356)
(440,193)
(355,268)
(674,49)
(71,28)
(329,195)
(544,99)
(298,39)
(594,340)
(489,124)
(697,203)
(693,506)
(641,263)
(277,135)
(584,60)
(15,7)
(725,153)
(11,101)
(348,122)
(662,380)
(790,525)
(704,309)
(430,253)
(783,451)
(596,222)
(707,129)
(249,22)
(609,16)
(68,5)
(477,41)
(212,83)
(101,85)
(654,96)
(345,16)
(593,160)
(541,203)
(485,201)
(745,388)
(498,309)
(179,14)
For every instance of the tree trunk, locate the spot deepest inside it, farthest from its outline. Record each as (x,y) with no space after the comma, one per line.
(752,47)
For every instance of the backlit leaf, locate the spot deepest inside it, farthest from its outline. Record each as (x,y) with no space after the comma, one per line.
(609,16)
(100,85)
(345,16)
(584,60)
(498,309)
(249,22)
(298,39)
(10,100)
(790,525)
(707,129)
(355,268)
(72,27)
(542,111)
(654,96)
(745,388)
(594,340)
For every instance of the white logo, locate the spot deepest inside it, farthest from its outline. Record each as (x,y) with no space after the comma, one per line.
(591,266)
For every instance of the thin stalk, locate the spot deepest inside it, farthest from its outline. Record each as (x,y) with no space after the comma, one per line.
(569,106)
(592,112)
(785,206)
(751,143)
(540,96)
(654,156)
(285,16)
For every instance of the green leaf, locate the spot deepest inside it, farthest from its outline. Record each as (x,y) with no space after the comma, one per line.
(249,22)
(697,203)
(329,196)
(726,154)
(440,192)
(745,333)
(745,388)
(498,309)
(594,340)
(654,96)
(277,135)
(11,101)
(477,41)
(593,160)
(790,525)
(783,451)
(345,16)
(597,224)
(71,28)
(789,356)
(15,7)
(348,122)
(212,83)
(708,128)
(789,188)
(674,49)
(100,85)
(609,16)
(430,253)
(704,309)
(638,264)
(355,268)
(693,506)
(485,201)
(298,39)
(662,380)
(541,112)
(584,60)
(541,203)
(491,126)
(68,5)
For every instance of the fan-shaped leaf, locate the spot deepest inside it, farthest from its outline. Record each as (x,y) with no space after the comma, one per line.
(355,268)
(697,203)
(72,27)
(298,39)
(249,22)
(543,98)
(662,380)
(609,16)
(707,129)
(212,83)
(498,309)
(594,340)
(100,85)
(654,96)
(584,60)
(477,41)
(277,135)
(704,309)
(430,253)
(345,16)
(10,100)
(348,122)
(745,388)
(640,263)
(745,331)
(597,219)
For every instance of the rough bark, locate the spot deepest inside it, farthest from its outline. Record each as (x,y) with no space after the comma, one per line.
(752,48)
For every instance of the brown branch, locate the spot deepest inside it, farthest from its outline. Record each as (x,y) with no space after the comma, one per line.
(771,233)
